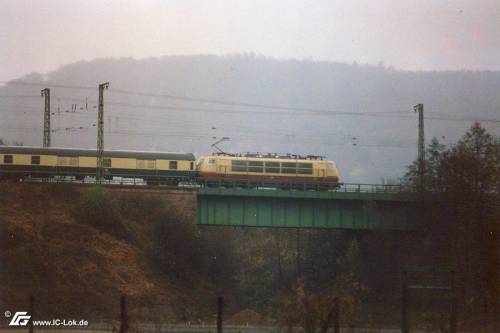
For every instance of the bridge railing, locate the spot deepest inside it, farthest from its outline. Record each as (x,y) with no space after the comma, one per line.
(375,188)
(181,181)
(332,187)
(223,183)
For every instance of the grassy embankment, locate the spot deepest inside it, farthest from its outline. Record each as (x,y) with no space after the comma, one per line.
(77,249)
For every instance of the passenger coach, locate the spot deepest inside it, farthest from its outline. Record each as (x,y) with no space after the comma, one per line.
(21,162)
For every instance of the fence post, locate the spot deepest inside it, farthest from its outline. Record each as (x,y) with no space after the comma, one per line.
(220,304)
(336,318)
(123,314)
(32,313)
(453,317)
(404,304)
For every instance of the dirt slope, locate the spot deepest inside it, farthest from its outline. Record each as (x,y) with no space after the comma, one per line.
(74,269)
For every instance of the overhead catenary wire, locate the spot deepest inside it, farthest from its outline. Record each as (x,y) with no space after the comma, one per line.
(242,109)
(147,118)
(192,123)
(296,110)
(231,129)
(306,112)
(48,84)
(241,138)
(19,96)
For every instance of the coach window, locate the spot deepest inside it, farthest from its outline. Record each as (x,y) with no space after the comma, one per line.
(107,163)
(73,161)
(145,164)
(35,159)
(172,165)
(7,159)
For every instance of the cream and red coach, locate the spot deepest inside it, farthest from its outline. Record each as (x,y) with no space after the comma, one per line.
(154,167)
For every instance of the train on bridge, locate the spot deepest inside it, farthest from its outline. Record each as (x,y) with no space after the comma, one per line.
(162,168)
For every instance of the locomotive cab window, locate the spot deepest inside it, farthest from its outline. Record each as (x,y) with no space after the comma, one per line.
(172,165)
(35,159)
(211,161)
(7,159)
(191,166)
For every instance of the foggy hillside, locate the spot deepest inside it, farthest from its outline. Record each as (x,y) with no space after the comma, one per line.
(366,148)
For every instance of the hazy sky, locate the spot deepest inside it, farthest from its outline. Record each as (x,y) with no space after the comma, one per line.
(417,34)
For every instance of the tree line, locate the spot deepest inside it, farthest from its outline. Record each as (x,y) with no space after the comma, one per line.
(461,216)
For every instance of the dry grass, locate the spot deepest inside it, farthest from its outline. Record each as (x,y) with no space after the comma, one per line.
(73,269)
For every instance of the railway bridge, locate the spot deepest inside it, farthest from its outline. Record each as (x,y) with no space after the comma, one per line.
(351,206)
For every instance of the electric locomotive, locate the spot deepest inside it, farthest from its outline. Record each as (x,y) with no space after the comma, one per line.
(272,169)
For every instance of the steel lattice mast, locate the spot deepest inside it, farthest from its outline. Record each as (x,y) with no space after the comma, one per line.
(46,117)
(100,133)
(421,144)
